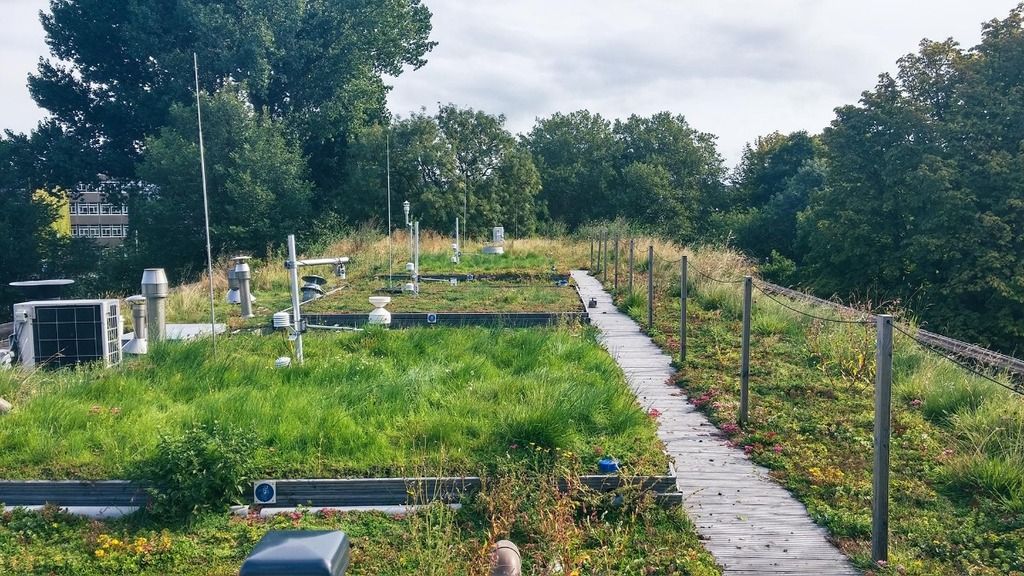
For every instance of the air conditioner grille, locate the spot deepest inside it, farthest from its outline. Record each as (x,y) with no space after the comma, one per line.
(65,335)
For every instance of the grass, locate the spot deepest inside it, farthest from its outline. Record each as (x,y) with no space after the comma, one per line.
(957,461)
(531,295)
(557,533)
(368,403)
(532,261)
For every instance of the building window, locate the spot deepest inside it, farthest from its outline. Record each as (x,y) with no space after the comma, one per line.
(73,208)
(105,231)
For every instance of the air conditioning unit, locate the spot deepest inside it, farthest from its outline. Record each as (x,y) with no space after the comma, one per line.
(55,333)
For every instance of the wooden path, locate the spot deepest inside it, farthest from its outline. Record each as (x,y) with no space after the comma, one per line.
(748,522)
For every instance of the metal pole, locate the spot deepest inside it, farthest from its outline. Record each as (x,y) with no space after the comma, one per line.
(206,208)
(604,262)
(748,289)
(616,290)
(391,249)
(682,310)
(592,255)
(631,261)
(416,257)
(883,406)
(293,264)
(650,287)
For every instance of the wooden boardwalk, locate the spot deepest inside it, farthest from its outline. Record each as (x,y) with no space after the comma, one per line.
(747,521)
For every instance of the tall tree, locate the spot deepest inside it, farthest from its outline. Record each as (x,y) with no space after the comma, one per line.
(770,186)
(672,174)
(256,179)
(576,155)
(924,193)
(117,67)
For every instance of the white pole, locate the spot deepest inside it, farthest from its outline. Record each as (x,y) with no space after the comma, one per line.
(293,262)
(391,250)
(416,258)
(206,207)
(458,243)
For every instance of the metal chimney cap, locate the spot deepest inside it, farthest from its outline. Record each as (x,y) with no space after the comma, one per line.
(240,258)
(154,283)
(42,289)
(314,279)
(137,299)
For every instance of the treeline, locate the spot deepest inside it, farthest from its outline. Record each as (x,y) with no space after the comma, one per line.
(913,198)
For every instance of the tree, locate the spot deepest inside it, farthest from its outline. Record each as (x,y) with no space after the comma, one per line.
(576,156)
(924,189)
(769,187)
(118,67)
(256,177)
(672,174)
(460,159)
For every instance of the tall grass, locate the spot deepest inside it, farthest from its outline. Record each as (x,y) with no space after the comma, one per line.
(373,402)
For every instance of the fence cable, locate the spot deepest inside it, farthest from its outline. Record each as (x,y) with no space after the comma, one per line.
(1017,389)
(802,313)
(712,278)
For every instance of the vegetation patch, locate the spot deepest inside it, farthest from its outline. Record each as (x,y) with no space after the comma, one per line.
(373,403)
(957,471)
(574,532)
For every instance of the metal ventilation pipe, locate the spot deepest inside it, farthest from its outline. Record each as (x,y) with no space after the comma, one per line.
(154,288)
(232,296)
(505,559)
(138,344)
(243,276)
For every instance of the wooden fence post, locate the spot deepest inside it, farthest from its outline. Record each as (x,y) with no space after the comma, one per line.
(616,289)
(682,310)
(745,352)
(604,262)
(650,288)
(883,407)
(591,255)
(631,265)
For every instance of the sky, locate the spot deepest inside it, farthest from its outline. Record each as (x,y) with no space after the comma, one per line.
(738,69)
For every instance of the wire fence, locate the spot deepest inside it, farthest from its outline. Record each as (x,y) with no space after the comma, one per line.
(964,352)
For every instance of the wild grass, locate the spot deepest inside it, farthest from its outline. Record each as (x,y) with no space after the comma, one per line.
(557,532)
(366,403)
(957,491)
(372,260)
(535,294)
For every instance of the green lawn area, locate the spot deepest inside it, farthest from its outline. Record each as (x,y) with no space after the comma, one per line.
(521,280)
(957,448)
(529,294)
(373,403)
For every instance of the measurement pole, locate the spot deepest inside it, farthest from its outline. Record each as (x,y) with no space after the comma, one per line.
(682,311)
(650,288)
(883,407)
(748,289)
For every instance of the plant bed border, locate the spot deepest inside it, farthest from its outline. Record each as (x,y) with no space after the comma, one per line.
(452,319)
(313,492)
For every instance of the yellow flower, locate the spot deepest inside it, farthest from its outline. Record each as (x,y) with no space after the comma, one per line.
(100,553)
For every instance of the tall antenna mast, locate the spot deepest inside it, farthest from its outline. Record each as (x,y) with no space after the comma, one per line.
(206,206)
(391,250)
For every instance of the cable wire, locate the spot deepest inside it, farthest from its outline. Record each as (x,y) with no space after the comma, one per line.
(801,312)
(1016,389)
(712,278)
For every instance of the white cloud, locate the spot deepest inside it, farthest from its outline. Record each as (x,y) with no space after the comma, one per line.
(736,68)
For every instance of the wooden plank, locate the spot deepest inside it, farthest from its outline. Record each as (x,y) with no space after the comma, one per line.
(750,524)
